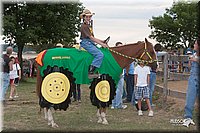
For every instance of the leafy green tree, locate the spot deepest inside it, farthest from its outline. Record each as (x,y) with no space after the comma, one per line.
(198,20)
(177,27)
(41,24)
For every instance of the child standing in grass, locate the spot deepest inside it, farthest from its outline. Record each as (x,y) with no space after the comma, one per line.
(142,76)
(15,75)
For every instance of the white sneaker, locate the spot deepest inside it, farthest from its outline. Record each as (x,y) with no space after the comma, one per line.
(192,122)
(140,112)
(11,98)
(187,122)
(16,96)
(124,106)
(112,107)
(150,113)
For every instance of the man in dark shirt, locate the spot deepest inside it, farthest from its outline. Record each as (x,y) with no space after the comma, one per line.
(7,66)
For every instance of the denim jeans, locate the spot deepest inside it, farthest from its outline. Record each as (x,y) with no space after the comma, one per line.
(77,89)
(89,45)
(5,80)
(117,101)
(192,90)
(130,87)
(152,85)
(124,93)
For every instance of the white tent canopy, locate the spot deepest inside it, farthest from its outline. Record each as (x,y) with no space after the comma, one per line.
(26,55)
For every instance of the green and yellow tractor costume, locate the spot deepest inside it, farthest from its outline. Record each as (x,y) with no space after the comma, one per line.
(62,68)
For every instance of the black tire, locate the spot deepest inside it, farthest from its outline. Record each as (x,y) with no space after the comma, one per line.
(64,105)
(95,101)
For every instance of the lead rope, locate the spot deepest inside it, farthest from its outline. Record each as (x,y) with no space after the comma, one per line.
(135,59)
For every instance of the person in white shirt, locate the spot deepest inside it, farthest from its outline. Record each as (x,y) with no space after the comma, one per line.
(142,77)
(15,75)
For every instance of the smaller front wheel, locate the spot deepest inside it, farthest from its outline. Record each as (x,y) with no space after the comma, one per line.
(102,91)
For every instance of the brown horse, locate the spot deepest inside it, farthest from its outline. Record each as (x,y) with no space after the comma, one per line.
(140,51)
(124,55)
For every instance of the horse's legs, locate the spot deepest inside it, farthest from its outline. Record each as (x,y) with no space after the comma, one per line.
(99,116)
(103,116)
(50,119)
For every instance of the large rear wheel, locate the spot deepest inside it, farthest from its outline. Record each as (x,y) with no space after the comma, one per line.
(57,87)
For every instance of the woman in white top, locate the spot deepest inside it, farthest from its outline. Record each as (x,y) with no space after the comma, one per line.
(15,74)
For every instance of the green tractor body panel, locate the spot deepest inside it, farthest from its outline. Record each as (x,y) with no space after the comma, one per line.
(78,61)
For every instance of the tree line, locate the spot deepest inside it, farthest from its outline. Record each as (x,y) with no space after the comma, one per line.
(178,27)
(41,24)
(45,24)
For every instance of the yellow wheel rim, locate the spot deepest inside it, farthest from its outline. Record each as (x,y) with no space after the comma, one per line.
(55,87)
(102,91)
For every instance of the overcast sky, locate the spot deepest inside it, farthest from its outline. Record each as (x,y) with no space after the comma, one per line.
(124,20)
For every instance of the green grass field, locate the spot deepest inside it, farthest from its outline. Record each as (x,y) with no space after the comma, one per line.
(23,115)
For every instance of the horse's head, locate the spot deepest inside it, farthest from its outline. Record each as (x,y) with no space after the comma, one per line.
(147,53)
(140,51)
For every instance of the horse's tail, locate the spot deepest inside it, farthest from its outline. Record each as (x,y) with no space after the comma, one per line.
(39,83)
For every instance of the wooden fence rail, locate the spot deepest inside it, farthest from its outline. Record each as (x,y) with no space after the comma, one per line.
(165,60)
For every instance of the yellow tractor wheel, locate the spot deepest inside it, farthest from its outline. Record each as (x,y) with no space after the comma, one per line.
(55,87)
(102,91)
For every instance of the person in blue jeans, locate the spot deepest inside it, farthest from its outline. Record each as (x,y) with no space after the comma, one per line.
(7,66)
(153,70)
(88,41)
(117,102)
(152,84)
(193,85)
(77,93)
(129,78)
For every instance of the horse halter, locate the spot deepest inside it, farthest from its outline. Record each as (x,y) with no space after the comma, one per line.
(145,52)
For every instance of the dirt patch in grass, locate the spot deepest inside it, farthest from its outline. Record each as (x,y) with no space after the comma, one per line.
(176,85)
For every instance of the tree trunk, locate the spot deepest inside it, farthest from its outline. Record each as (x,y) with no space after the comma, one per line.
(19,55)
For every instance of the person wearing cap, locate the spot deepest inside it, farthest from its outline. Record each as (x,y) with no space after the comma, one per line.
(88,41)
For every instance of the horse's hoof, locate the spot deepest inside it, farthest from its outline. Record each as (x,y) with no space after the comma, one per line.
(49,123)
(105,122)
(55,125)
(99,121)
(45,117)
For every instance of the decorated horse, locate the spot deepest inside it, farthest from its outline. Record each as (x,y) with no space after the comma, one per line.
(59,69)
